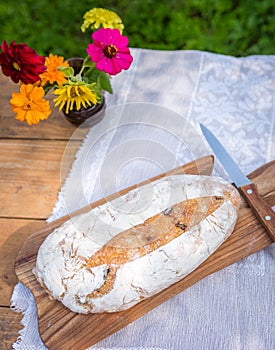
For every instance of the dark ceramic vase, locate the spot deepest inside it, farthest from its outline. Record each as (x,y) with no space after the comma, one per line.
(94,112)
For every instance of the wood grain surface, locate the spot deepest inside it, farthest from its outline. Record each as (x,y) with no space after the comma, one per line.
(62,329)
(29,184)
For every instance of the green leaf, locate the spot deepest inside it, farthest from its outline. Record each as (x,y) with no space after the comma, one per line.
(100,78)
(90,74)
(103,82)
(67,71)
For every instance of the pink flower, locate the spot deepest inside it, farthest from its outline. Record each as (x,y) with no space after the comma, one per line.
(109,51)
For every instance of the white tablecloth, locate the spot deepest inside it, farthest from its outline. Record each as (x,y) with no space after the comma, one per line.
(154,126)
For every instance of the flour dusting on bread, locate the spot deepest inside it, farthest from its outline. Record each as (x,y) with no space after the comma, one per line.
(136,245)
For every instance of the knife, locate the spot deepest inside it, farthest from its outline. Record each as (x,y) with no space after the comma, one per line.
(249,190)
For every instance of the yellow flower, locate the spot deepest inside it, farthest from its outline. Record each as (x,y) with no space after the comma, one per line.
(98,17)
(29,104)
(76,93)
(52,74)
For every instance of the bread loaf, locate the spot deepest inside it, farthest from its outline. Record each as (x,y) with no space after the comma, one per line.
(138,244)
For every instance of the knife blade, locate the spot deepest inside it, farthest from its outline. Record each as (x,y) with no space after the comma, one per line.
(249,190)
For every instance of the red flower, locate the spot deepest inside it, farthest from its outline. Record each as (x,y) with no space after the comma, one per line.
(21,63)
(109,51)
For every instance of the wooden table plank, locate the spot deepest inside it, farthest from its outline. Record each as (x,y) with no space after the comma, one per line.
(30,160)
(12,235)
(9,327)
(30,177)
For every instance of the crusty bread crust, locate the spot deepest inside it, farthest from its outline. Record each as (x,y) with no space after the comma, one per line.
(129,249)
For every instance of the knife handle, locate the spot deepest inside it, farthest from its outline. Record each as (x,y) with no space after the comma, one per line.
(264,213)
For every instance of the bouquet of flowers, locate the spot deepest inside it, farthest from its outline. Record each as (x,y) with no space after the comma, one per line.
(107,55)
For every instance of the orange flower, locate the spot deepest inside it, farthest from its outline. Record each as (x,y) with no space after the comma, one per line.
(29,104)
(52,74)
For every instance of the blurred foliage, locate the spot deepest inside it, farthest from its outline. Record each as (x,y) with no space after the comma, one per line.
(232,27)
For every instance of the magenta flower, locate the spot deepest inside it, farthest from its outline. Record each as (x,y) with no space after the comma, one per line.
(109,51)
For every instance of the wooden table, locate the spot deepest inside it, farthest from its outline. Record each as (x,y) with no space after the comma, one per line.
(30,160)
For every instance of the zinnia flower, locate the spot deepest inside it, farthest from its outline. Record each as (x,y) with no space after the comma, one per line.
(77,94)
(21,63)
(109,51)
(29,104)
(52,74)
(101,17)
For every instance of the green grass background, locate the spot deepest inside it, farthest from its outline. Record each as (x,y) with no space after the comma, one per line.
(232,27)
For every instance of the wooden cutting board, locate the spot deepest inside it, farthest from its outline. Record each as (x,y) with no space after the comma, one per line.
(64,330)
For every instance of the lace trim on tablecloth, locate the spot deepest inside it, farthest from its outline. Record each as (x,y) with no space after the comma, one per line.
(22,301)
